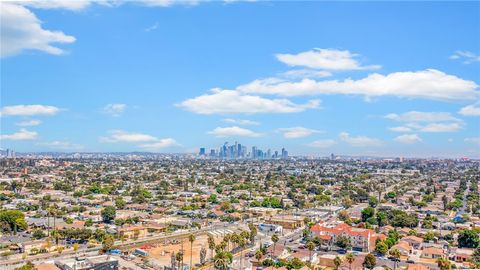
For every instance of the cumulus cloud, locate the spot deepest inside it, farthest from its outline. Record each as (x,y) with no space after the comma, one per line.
(159,144)
(21,30)
(22,135)
(28,110)
(29,123)
(62,145)
(222,132)
(426,84)
(149,142)
(305,73)
(466,57)
(426,122)
(323,143)
(416,116)
(243,122)
(473,140)
(230,101)
(400,129)
(408,138)
(328,59)
(297,132)
(124,136)
(470,110)
(115,109)
(360,141)
(56,4)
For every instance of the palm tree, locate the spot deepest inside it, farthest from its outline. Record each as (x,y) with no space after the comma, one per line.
(253,232)
(191,239)
(337,261)
(444,264)
(258,255)
(222,259)
(211,245)
(179,258)
(275,239)
(395,254)
(350,259)
(242,242)
(311,246)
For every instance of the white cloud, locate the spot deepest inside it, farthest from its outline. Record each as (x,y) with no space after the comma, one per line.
(21,30)
(123,136)
(233,131)
(442,127)
(400,129)
(473,140)
(360,141)
(160,144)
(425,84)
(470,110)
(306,73)
(466,56)
(230,101)
(29,123)
(426,122)
(168,3)
(74,5)
(408,138)
(416,116)
(115,109)
(328,59)
(28,110)
(62,145)
(323,143)
(297,132)
(21,135)
(243,122)
(152,27)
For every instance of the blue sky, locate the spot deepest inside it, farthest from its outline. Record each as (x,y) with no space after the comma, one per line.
(359,78)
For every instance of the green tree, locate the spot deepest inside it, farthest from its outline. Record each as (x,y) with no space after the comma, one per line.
(444,263)
(350,258)
(381,248)
(191,239)
(120,202)
(337,262)
(468,239)
(12,221)
(108,242)
(275,239)
(370,261)
(367,213)
(395,253)
(373,201)
(108,214)
(310,246)
(343,242)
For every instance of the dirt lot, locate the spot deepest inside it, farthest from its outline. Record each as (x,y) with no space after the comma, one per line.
(161,252)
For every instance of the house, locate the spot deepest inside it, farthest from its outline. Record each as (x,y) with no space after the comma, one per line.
(286,221)
(361,239)
(414,241)
(33,246)
(46,266)
(277,251)
(404,248)
(432,253)
(132,232)
(462,255)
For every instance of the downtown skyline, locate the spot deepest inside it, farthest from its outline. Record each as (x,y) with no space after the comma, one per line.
(377,80)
